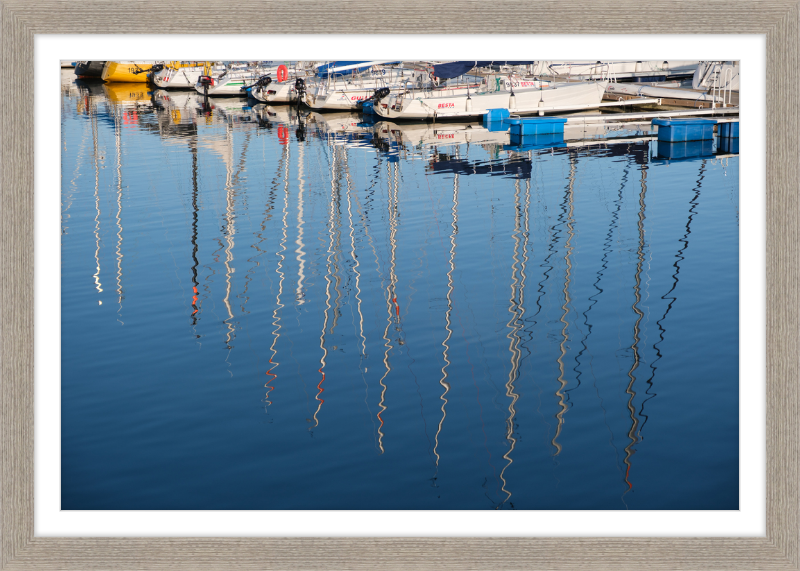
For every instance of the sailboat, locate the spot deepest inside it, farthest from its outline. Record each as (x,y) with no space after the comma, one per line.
(284,90)
(181,74)
(347,92)
(232,80)
(464,102)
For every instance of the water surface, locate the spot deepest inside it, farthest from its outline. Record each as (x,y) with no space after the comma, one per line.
(262,310)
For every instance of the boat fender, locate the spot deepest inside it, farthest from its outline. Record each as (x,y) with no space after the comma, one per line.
(283,73)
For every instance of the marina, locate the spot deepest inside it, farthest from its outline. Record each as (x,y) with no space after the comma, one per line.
(306,285)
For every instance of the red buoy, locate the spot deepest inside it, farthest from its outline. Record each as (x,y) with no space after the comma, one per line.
(283,73)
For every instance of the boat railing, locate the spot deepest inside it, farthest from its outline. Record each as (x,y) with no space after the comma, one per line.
(609,74)
(722,90)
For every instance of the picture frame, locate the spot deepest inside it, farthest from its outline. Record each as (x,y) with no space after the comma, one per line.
(20,549)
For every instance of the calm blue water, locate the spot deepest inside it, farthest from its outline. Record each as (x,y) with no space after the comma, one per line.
(266,313)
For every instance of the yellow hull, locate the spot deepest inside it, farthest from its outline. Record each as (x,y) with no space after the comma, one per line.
(123,72)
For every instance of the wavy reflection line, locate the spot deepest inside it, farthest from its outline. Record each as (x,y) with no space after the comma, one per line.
(276,320)
(447,317)
(567,279)
(300,291)
(96,275)
(336,227)
(629,451)
(329,265)
(400,333)
(593,299)
(230,230)
(118,143)
(195,261)
(66,201)
(231,184)
(530,322)
(672,299)
(514,325)
(364,215)
(392,308)
(357,272)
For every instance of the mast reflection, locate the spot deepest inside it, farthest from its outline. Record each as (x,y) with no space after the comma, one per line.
(569,198)
(629,450)
(276,312)
(679,257)
(95,158)
(447,316)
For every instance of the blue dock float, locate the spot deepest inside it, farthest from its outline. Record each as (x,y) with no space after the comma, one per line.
(729,145)
(494,120)
(531,142)
(685,149)
(537,126)
(684,130)
(495,115)
(729,130)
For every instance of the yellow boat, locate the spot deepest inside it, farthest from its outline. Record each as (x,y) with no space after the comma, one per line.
(126,71)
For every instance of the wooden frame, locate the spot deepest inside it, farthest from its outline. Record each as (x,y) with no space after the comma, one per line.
(778,20)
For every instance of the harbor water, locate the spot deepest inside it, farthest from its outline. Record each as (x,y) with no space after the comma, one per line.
(265,308)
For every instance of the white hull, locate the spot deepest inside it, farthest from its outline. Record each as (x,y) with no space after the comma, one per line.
(344,94)
(663,92)
(715,74)
(181,78)
(232,82)
(344,100)
(605,69)
(455,103)
(275,92)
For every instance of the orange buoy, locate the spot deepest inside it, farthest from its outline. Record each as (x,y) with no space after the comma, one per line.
(283,73)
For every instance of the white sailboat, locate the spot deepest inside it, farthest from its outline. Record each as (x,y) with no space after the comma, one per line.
(231,80)
(178,75)
(280,90)
(584,69)
(345,93)
(466,102)
(642,90)
(275,92)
